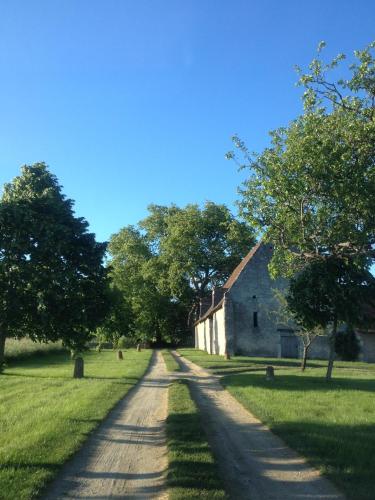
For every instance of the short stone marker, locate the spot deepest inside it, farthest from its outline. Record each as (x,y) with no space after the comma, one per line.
(119,355)
(270,373)
(78,368)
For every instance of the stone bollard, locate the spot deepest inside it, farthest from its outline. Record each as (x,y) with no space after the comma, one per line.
(270,373)
(138,347)
(78,368)
(119,355)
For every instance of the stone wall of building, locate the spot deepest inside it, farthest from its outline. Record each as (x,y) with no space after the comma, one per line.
(210,333)
(367,343)
(255,307)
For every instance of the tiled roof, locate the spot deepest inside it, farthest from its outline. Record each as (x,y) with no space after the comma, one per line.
(230,282)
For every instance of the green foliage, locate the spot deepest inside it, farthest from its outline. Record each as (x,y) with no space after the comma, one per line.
(347,344)
(329,290)
(118,322)
(312,191)
(173,258)
(152,314)
(200,247)
(53,284)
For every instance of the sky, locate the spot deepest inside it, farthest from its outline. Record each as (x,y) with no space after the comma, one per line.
(135,102)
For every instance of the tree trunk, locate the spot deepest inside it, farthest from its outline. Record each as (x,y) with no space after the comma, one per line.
(78,368)
(331,351)
(304,357)
(2,350)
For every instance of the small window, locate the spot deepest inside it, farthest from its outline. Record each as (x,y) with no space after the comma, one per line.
(255,319)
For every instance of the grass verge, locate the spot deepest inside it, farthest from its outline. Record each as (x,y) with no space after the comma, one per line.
(171,363)
(331,424)
(45,415)
(23,348)
(192,472)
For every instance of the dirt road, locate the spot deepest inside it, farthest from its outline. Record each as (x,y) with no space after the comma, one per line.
(254,463)
(126,457)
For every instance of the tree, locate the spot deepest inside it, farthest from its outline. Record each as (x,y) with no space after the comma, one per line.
(305,332)
(347,344)
(199,247)
(53,284)
(312,192)
(328,293)
(118,322)
(138,273)
(173,258)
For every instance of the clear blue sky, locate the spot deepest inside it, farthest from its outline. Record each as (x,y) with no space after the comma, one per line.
(134,102)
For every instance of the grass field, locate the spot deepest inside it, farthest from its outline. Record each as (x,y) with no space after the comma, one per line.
(332,424)
(192,471)
(25,347)
(45,415)
(172,365)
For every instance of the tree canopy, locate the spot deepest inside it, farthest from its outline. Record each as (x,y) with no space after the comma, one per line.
(53,284)
(312,191)
(173,258)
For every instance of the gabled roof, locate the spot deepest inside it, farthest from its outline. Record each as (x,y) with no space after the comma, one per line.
(241,266)
(230,282)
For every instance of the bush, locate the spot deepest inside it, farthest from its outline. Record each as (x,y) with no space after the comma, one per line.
(347,345)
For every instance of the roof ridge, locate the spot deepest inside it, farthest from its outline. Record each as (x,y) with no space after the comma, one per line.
(231,281)
(241,266)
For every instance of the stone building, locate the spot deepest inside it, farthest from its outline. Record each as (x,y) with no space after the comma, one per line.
(241,317)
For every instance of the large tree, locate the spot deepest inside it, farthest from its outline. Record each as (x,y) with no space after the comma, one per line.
(172,259)
(312,191)
(53,284)
(199,247)
(138,273)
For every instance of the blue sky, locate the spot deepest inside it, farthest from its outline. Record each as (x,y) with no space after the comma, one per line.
(134,102)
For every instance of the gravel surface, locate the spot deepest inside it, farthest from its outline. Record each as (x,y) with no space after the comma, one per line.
(126,457)
(255,464)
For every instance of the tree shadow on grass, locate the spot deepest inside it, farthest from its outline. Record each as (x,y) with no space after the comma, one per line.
(298,383)
(345,453)
(190,462)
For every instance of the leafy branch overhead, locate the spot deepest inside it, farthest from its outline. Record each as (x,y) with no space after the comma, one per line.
(312,191)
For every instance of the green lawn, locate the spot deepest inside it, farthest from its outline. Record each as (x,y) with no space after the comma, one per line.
(172,365)
(25,347)
(192,472)
(332,424)
(45,415)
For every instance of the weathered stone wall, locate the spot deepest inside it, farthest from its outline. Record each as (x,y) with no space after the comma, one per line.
(367,343)
(219,329)
(253,292)
(200,336)
(319,349)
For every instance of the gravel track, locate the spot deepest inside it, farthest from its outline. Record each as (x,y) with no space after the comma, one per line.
(126,457)
(254,463)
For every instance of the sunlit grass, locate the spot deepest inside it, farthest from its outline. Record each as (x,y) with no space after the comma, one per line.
(192,472)
(45,415)
(171,363)
(331,424)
